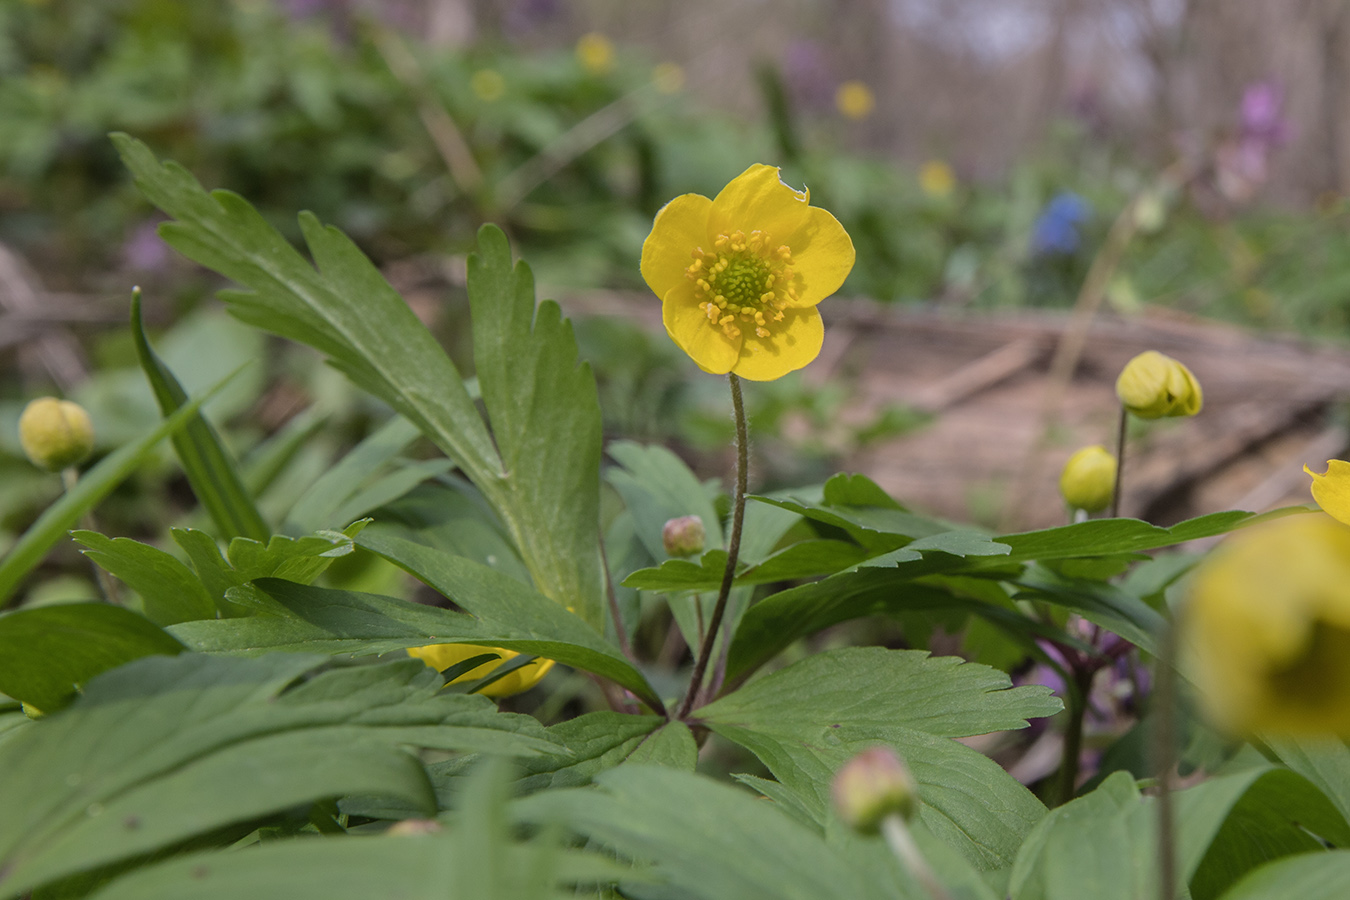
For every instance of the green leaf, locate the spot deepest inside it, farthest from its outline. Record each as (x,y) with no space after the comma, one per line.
(162,749)
(545,416)
(671,745)
(598,741)
(49,651)
(777,621)
(808,719)
(804,559)
(705,839)
(318,506)
(1104,604)
(209,467)
(1322,876)
(168,589)
(1325,762)
(92,487)
(476,858)
(657,486)
(329,621)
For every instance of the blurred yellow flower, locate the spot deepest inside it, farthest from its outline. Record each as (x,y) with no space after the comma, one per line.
(854,100)
(1153,386)
(442,656)
(488,85)
(1267,629)
(763,257)
(595,52)
(936,179)
(1332,490)
(1089,479)
(668,77)
(55,434)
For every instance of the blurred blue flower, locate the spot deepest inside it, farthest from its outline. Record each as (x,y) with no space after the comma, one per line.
(1056,228)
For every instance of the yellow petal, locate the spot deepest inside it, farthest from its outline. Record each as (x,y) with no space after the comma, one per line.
(822,254)
(689,328)
(1332,490)
(791,344)
(679,228)
(757,199)
(442,656)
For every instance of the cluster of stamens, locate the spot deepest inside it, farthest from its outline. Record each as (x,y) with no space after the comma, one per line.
(743,280)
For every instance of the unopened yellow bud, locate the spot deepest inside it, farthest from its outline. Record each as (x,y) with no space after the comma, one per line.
(1267,629)
(595,53)
(1089,479)
(871,786)
(442,656)
(855,100)
(55,434)
(684,536)
(1153,386)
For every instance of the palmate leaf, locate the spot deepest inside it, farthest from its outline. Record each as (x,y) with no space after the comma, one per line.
(544,484)
(807,720)
(163,749)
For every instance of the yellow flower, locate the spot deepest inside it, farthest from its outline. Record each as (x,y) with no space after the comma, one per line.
(936,179)
(55,433)
(488,85)
(1332,490)
(855,100)
(763,257)
(1089,479)
(1268,629)
(1153,386)
(668,77)
(442,656)
(596,53)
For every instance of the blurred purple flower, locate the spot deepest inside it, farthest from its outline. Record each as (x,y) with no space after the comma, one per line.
(527,15)
(806,71)
(1262,114)
(1056,228)
(143,250)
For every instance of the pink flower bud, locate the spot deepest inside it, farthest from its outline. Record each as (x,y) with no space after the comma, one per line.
(684,536)
(871,786)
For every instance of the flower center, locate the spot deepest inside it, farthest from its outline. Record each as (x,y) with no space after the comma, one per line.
(743,281)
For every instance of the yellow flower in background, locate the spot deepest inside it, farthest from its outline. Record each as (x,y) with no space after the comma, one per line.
(442,656)
(1089,479)
(1153,386)
(595,52)
(936,179)
(488,85)
(1267,629)
(668,77)
(855,100)
(762,258)
(1332,490)
(55,434)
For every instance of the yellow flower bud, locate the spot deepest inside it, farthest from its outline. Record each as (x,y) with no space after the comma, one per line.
(1153,386)
(1267,629)
(936,179)
(1332,490)
(855,100)
(595,53)
(55,434)
(871,786)
(442,656)
(1089,479)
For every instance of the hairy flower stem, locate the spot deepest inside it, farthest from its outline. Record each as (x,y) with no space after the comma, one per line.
(1120,462)
(902,844)
(733,550)
(1164,751)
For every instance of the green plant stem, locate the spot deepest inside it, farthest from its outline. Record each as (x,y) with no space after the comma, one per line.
(1079,691)
(69,478)
(1120,461)
(733,550)
(1164,751)
(901,842)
